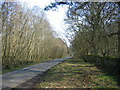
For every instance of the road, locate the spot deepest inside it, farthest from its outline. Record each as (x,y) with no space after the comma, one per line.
(15,78)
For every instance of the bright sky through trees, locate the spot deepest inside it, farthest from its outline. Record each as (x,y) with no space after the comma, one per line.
(56,18)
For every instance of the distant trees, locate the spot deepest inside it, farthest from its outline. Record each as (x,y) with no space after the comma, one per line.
(59,49)
(27,36)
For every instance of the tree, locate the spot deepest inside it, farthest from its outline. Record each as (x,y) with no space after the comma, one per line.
(27,36)
(97,20)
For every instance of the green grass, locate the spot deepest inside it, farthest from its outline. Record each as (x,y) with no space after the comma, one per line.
(76,74)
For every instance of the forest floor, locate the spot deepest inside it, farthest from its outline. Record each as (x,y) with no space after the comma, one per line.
(74,73)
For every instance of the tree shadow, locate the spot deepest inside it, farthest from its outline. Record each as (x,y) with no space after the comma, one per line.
(106,68)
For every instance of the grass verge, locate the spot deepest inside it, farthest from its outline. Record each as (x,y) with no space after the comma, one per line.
(17,68)
(23,65)
(76,74)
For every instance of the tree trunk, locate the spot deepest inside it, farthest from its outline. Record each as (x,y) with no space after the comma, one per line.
(119,32)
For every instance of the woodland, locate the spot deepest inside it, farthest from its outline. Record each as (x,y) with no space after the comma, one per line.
(93,32)
(27,36)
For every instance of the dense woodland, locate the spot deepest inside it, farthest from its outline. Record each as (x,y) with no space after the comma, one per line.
(27,36)
(96,37)
(94,33)
(94,27)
